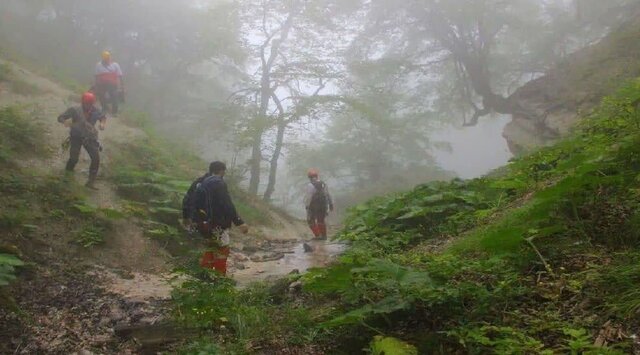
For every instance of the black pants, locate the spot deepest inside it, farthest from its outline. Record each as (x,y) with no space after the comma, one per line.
(108,94)
(92,147)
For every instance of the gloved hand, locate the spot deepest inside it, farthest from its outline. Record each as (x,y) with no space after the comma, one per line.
(244,228)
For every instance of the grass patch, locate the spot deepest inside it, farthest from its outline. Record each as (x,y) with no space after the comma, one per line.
(24,88)
(156,172)
(19,136)
(5,72)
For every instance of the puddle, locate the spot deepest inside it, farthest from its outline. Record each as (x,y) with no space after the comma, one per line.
(324,252)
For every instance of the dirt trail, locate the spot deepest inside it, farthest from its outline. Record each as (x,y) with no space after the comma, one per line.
(128,279)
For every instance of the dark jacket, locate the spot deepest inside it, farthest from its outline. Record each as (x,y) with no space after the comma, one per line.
(82,124)
(212,196)
(189,200)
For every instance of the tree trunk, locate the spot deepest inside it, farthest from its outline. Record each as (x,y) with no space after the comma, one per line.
(265,94)
(256,160)
(256,148)
(273,168)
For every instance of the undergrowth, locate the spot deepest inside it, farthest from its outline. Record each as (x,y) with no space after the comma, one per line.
(154,174)
(38,208)
(540,258)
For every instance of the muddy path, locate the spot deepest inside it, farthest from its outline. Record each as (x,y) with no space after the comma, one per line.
(279,252)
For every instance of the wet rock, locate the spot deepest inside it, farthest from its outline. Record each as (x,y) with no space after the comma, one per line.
(307,248)
(267,257)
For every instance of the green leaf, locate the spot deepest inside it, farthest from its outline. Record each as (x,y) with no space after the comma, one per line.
(391,346)
(8,259)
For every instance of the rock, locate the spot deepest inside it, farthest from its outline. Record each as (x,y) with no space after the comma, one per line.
(240,266)
(240,257)
(294,272)
(137,315)
(267,257)
(307,248)
(295,286)
(116,314)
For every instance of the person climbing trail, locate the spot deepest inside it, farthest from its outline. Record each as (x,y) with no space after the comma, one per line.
(81,121)
(318,202)
(213,212)
(109,85)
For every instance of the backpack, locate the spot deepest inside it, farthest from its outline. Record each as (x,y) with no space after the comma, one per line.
(189,200)
(319,199)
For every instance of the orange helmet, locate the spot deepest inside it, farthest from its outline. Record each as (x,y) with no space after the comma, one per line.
(88,98)
(313,173)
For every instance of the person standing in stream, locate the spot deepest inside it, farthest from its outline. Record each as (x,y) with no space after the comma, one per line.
(318,203)
(214,213)
(81,121)
(109,85)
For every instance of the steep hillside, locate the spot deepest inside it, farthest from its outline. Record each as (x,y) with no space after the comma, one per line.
(540,259)
(576,86)
(81,262)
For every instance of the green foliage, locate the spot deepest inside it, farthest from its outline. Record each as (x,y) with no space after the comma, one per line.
(25,88)
(8,264)
(581,193)
(5,72)
(391,346)
(90,236)
(19,136)
(617,284)
(580,342)
(497,340)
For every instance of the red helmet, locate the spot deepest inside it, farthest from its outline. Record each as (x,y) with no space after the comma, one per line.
(313,173)
(88,98)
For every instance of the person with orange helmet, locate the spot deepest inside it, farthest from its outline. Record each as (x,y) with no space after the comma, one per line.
(81,121)
(109,85)
(318,202)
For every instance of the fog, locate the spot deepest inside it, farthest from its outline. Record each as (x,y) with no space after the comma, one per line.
(379,95)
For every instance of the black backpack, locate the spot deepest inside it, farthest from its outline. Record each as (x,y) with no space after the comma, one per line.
(319,199)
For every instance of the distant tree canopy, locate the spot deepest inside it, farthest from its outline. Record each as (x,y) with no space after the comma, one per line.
(354,85)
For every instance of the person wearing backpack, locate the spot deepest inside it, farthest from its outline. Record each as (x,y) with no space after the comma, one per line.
(108,85)
(189,201)
(81,121)
(214,213)
(317,202)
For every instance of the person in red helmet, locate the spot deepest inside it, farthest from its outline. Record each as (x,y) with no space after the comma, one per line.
(81,121)
(318,202)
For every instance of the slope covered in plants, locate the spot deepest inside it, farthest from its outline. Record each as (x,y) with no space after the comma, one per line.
(539,257)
